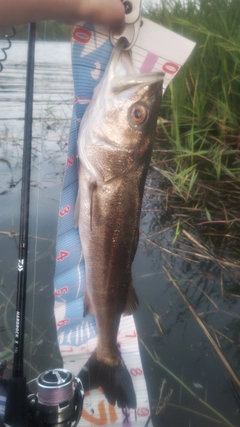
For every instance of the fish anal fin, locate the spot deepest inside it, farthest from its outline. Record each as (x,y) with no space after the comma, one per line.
(132,302)
(87,305)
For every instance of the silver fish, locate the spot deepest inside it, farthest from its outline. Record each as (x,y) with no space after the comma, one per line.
(114,147)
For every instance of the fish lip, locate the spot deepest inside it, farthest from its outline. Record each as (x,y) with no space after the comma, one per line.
(118,49)
(121,45)
(119,82)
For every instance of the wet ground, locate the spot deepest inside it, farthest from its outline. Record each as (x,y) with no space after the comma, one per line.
(188,379)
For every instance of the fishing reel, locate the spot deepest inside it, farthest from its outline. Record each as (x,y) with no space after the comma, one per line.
(59,400)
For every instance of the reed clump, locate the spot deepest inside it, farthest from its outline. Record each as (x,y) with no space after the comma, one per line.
(201,106)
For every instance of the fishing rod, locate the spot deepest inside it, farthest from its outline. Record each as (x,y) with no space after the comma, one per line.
(59,399)
(17,387)
(24,217)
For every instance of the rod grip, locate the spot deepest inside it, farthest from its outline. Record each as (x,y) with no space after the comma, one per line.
(16,404)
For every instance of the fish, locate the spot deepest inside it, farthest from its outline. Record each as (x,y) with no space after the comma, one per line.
(114,149)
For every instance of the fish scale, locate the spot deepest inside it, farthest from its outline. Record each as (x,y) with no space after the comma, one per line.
(114,148)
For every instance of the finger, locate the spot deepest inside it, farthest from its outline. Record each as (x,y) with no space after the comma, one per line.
(118,25)
(112,13)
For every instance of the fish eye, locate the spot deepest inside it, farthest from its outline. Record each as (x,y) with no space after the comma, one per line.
(138,114)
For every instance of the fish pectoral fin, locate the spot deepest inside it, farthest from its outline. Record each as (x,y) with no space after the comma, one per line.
(87,305)
(77,211)
(132,302)
(92,186)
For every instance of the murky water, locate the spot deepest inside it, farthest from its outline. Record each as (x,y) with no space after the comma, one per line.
(188,363)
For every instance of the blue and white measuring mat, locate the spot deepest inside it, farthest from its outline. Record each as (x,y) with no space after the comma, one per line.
(77,335)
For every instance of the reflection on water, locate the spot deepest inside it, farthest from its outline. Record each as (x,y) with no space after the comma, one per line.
(165,324)
(53,97)
(52,83)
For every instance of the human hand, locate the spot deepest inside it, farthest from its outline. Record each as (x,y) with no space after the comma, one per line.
(107,12)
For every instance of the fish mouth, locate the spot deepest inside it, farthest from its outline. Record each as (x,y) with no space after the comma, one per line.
(122,43)
(122,71)
(119,47)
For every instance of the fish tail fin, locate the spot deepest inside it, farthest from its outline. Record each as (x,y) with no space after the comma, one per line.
(115,381)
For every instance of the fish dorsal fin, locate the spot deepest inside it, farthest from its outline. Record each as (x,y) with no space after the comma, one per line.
(131,302)
(87,305)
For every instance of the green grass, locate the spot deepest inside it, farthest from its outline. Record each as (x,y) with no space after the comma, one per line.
(202,104)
